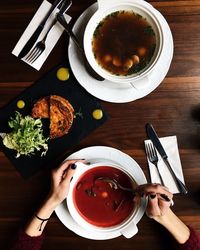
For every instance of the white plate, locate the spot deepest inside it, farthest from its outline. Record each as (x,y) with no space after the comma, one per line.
(101,154)
(107,90)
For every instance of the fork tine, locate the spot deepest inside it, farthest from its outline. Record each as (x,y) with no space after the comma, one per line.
(154,151)
(35,57)
(151,152)
(151,149)
(147,150)
(153,158)
(36,52)
(30,54)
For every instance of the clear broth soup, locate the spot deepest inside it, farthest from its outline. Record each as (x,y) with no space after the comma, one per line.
(123,43)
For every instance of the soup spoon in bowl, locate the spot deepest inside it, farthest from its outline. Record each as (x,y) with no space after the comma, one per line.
(61,19)
(115,184)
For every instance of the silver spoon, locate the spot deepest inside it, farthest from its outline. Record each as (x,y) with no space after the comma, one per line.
(115,184)
(61,19)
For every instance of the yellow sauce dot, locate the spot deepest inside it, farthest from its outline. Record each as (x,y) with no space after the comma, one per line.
(20,104)
(63,74)
(97,114)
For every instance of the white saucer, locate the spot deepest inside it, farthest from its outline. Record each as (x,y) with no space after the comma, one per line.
(102,154)
(107,90)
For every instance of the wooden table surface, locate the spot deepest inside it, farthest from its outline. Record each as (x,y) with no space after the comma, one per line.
(173,108)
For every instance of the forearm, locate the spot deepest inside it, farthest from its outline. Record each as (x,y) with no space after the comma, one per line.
(175,226)
(33,228)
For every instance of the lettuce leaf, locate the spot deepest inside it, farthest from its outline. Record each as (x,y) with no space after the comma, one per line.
(26,136)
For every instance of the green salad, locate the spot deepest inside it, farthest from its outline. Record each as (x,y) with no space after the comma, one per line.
(26,136)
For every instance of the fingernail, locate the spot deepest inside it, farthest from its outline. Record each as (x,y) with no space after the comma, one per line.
(165,197)
(73,166)
(152,196)
(71,179)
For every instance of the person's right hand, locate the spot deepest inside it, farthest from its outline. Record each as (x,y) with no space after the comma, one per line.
(158,208)
(159,199)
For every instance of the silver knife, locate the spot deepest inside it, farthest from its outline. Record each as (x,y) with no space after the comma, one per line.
(37,32)
(154,138)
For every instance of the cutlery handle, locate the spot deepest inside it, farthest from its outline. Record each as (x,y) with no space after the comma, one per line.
(27,47)
(160,176)
(64,6)
(53,6)
(89,69)
(182,188)
(63,22)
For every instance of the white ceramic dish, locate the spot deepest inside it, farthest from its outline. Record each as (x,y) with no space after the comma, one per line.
(115,157)
(127,228)
(144,10)
(107,90)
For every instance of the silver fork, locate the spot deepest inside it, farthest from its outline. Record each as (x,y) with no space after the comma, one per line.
(39,48)
(153,158)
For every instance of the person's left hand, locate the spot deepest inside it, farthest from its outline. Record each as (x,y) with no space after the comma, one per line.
(60,180)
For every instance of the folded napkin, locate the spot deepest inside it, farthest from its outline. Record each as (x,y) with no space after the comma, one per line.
(52,37)
(171,147)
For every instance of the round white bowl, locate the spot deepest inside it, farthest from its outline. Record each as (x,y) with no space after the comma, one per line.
(140,7)
(127,228)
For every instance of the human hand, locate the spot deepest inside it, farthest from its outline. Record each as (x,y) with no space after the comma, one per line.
(159,199)
(158,208)
(60,180)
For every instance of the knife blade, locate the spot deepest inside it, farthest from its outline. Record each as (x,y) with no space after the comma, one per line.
(29,44)
(154,138)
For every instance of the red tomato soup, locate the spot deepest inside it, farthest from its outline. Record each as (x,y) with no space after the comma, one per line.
(98,202)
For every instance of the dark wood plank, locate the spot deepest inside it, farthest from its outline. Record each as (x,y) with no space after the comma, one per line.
(173,108)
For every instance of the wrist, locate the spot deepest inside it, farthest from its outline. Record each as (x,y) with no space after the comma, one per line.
(175,226)
(165,218)
(51,202)
(53,199)
(47,207)
(41,217)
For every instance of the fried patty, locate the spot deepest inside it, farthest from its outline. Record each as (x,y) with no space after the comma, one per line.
(61,116)
(41,108)
(58,110)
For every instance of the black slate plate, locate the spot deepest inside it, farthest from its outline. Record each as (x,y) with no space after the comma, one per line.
(50,85)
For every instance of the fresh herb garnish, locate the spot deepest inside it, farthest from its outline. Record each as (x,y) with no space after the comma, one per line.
(78,113)
(149,31)
(114,14)
(153,47)
(137,68)
(97,29)
(138,16)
